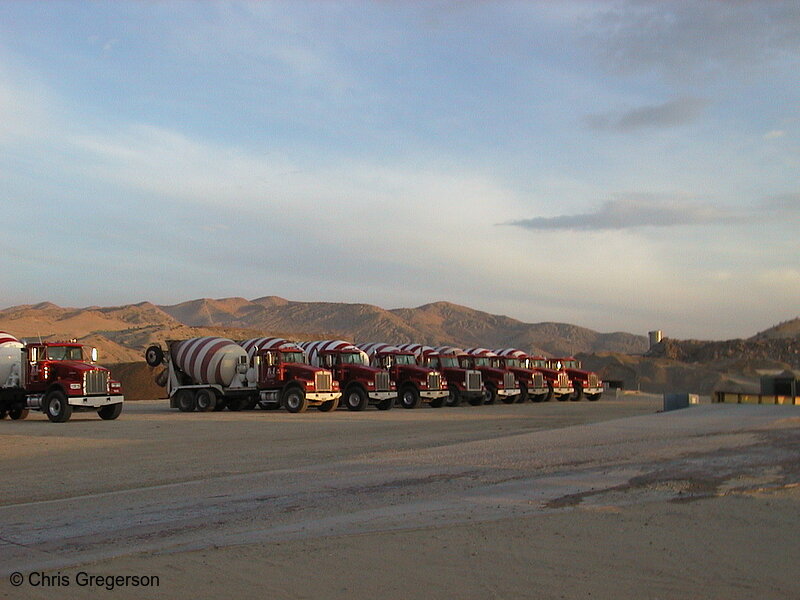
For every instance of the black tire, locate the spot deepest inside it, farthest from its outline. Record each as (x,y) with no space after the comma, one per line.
(222,404)
(409,396)
(185,401)
(355,398)
(205,400)
(109,412)
(539,398)
(578,394)
(437,402)
(550,393)
(489,394)
(56,407)
(154,356)
(294,399)
(454,399)
(523,393)
(17,414)
(329,406)
(3,414)
(593,397)
(387,404)
(563,397)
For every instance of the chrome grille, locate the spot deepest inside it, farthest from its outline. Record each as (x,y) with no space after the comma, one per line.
(474,381)
(95,382)
(434,381)
(382,381)
(537,380)
(592,380)
(508,381)
(563,380)
(322,381)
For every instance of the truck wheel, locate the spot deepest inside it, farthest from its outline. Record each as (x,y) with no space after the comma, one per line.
(56,407)
(206,400)
(3,414)
(593,397)
(356,399)
(386,404)
(409,397)
(578,394)
(539,398)
(437,402)
(523,393)
(329,406)
(294,400)
(109,412)
(17,414)
(184,399)
(563,397)
(221,404)
(454,399)
(489,394)
(550,393)
(153,356)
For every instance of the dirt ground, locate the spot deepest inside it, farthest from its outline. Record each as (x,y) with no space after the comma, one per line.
(558,500)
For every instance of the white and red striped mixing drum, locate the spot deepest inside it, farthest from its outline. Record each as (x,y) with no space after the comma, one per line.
(208,359)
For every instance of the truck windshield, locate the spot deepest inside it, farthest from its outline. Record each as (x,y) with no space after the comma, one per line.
(570,364)
(481,361)
(404,359)
(350,358)
(65,353)
(293,357)
(512,363)
(448,361)
(536,364)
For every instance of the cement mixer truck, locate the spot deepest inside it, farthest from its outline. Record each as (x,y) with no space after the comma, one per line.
(211,373)
(360,383)
(462,383)
(57,378)
(585,383)
(498,382)
(532,384)
(415,384)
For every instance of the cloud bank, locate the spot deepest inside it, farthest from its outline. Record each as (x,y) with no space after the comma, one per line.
(673,113)
(630,213)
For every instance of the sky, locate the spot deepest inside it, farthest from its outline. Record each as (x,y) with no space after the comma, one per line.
(623,166)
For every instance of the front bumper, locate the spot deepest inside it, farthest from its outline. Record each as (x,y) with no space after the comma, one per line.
(563,391)
(95,401)
(505,393)
(381,396)
(433,394)
(322,396)
(593,390)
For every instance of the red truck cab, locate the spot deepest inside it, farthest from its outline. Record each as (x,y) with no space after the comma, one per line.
(532,383)
(462,383)
(361,384)
(585,383)
(415,383)
(61,377)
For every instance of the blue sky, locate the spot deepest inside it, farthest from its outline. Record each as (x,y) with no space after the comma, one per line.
(617,165)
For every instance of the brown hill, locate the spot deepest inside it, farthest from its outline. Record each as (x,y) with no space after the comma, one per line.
(436,324)
(787,329)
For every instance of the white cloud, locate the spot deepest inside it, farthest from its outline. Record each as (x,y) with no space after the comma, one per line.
(774,134)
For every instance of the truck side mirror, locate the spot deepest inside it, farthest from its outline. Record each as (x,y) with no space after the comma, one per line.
(94,354)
